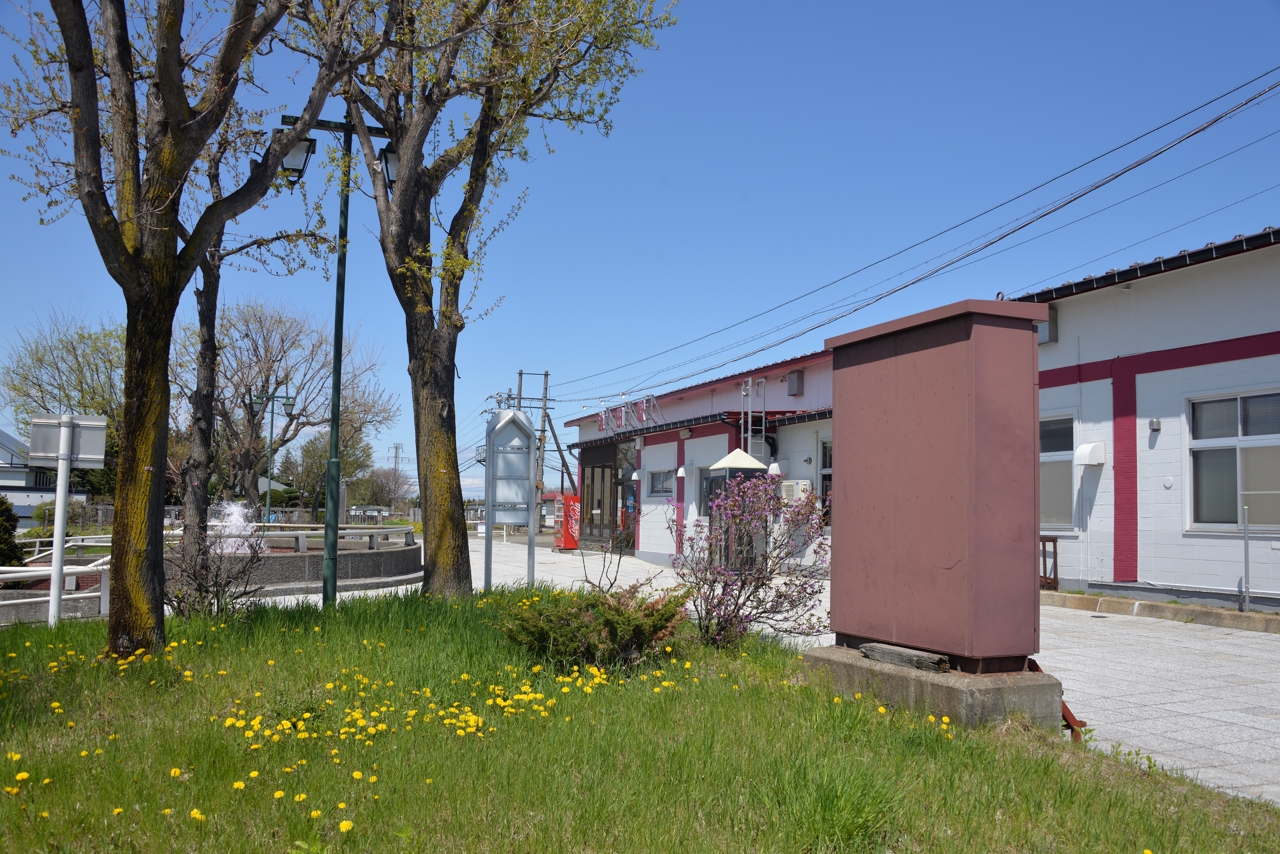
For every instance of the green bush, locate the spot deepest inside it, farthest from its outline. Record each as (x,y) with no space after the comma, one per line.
(10,551)
(592,626)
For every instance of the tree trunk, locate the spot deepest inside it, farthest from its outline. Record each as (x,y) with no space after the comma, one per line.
(446,555)
(198,467)
(137,536)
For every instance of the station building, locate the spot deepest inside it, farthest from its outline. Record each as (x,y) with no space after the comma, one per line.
(1160,423)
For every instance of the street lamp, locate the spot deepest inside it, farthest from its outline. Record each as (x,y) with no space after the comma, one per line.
(257,403)
(295,162)
(333,474)
(389,159)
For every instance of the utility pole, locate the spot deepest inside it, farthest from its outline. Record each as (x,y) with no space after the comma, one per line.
(542,442)
(519,390)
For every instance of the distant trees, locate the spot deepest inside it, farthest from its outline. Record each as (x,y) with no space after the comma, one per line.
(66,363)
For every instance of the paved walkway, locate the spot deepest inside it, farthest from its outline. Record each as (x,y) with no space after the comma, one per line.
(1199,699)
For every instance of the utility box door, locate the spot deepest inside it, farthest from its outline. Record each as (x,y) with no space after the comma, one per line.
(935,507)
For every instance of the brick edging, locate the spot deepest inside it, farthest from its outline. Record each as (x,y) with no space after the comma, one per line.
(1202,614)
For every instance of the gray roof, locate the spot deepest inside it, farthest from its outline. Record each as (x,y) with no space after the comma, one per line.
(13,451)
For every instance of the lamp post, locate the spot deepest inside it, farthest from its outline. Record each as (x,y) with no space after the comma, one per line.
(257,403)
(294,166)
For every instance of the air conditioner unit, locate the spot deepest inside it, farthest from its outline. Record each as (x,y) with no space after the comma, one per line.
(794,490)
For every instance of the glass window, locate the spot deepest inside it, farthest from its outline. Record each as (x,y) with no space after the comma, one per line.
(1260,483)
(1057,473)
(826,454)
(1056,436)
(662,483)
(1261,415)
(708,488)
(1235,460)
(1214,474)
(1214,419)
(1055,493)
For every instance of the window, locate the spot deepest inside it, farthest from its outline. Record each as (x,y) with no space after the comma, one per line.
(1235,460)
(1057,442)
(662,483)
(827,448)
(708,488)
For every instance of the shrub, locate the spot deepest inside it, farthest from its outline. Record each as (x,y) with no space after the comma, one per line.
(10,550)
(759,561)
(592,626)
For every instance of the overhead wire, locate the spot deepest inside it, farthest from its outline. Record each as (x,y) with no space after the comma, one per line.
(1072,198)
(928,239)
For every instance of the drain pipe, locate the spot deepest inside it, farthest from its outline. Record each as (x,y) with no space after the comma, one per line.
(1246,558)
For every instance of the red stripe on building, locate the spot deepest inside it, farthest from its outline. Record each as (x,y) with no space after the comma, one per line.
(1123,373)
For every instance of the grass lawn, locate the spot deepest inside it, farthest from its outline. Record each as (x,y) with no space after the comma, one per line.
(412,724)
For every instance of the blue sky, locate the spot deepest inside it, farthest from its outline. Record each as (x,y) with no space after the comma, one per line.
(771,148)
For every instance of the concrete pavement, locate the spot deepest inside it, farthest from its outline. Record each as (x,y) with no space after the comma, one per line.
(1199,699)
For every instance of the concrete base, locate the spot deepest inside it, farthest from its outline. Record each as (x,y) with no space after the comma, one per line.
(968,700)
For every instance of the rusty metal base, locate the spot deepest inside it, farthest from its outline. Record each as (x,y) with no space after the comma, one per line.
(959,663)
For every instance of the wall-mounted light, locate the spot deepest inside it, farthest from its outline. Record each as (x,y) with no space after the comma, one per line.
(808,461)
(680,472)
(1154,424)
(635,475)
(774,468)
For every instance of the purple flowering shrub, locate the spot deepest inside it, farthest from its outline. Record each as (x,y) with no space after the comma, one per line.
(759,561)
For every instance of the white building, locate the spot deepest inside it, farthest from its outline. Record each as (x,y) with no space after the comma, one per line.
(1174,367)
(1160,421)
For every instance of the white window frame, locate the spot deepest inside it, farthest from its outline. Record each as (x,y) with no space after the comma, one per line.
(1237,442)
(1057,456)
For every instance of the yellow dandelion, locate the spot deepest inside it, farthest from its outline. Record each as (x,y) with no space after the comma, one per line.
(342,805)
(197,815)
(253,773)
(835,699)
(278,795)
(299,798)
(238,784)
(315,813)
(175,772)
(117,811)
(880,710)
(20,776)
(946,720)
(357,775)
(345,826)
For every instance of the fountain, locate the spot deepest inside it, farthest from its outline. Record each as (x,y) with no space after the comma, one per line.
(237,532)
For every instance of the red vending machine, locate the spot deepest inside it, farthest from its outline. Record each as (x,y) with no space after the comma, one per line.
(568,515)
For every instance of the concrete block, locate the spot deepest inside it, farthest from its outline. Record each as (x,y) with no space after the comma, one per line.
(968,700)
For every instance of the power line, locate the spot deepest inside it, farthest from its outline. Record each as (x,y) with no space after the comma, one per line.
(1074,197)
(927,239)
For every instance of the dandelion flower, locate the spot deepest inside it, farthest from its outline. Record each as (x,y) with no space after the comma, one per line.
(315,813)
(946,720)
(175,772)
(835,699)
(46,781)
(253,773)
(300,797)
(278,795)
(357,775)
(20,776)
(342,805)
(345,826)
(373,779)
(117,811)
(238,784)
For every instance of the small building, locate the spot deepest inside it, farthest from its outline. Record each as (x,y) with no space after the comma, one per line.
(641,461)
(24,486)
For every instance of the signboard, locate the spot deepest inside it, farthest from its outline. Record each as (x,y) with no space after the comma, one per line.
(511,472)
(88,441)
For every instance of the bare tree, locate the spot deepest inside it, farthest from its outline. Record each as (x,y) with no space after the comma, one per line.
(270,349)
(137,93)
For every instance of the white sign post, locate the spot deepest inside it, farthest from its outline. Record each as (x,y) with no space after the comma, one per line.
(510,481)
(67,442)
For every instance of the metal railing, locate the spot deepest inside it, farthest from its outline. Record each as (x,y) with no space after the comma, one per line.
(101,566)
